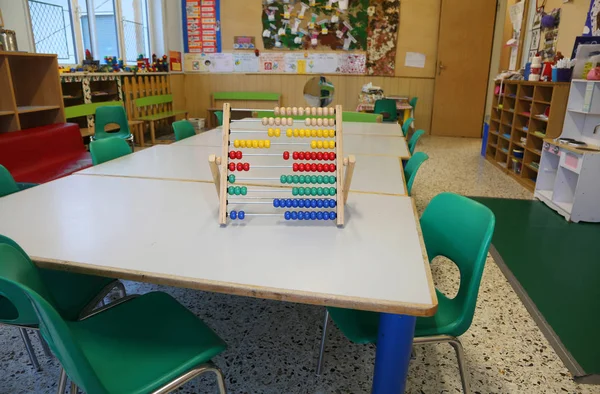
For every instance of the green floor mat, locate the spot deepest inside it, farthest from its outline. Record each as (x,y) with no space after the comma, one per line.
(558,265)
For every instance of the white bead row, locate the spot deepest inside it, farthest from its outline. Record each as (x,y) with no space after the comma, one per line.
(319,122)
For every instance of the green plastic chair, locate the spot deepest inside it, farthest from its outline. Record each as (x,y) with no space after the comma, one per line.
(183,129)
(8,184)
(145,344)
(361,117)
(219,115)
(413,102)
(73,295)
(412,143)
(406,126)
(387,106)
(108,149)
(460,229)
(112,114)
(411,168)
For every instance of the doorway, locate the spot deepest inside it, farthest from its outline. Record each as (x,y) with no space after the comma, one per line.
(464,51)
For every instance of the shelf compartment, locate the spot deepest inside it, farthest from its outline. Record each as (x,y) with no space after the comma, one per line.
(32,83)
(39,118)
(25,109)
(543,94)
(7,103)
(9,123)
(526,92)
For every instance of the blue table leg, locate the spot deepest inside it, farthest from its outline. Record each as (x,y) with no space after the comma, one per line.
(394,345)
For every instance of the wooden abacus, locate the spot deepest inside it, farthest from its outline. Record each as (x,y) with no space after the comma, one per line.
(222,166)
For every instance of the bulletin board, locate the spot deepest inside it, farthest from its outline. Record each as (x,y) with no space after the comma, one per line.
(243,18)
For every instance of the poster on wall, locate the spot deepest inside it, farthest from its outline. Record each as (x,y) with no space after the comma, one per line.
(295,63)
(592,24)
(245,62)
(209,62)
(352,63)
(272,62)
(550,24)
(323,63)
(201,26)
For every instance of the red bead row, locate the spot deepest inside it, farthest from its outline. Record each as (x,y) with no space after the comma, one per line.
(313,167)
(239,166)
(309,155)
(235,154)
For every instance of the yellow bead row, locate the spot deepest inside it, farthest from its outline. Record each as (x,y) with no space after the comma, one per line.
(322,144)
(274,132)
(310,133)
(261,144)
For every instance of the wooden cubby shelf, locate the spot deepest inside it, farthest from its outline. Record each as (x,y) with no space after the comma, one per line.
(516,130)
(31,95)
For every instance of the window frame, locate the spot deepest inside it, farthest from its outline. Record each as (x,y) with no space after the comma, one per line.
(79,47)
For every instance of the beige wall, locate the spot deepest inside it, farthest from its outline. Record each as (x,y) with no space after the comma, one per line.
(418,32)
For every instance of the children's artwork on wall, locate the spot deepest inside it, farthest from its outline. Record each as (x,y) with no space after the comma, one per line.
(244,62)
(201,26)
(384,19)
(350,63)
(592,22)
(550,24)
(271,62)
(209,62)
(310,24)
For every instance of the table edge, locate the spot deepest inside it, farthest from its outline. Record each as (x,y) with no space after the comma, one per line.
(272,293)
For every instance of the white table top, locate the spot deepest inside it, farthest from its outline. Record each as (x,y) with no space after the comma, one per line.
(354,144)
(385,129)
(171,236)
(374,174)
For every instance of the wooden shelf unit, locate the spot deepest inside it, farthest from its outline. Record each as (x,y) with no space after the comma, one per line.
(514,115)
(31,95)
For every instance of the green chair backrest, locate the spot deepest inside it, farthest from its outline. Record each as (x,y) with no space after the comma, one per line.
(412,143)
(413,102)
(20,280)
(7,182)
(219,115)
(460,229)
(183,129)
(411,169)
(154,100)
(406,126)
(388,106)
(362,117)
(18,310)
(108,149)
(248,96)
(108,115)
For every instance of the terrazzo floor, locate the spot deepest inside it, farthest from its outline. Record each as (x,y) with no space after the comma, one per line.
(273,345)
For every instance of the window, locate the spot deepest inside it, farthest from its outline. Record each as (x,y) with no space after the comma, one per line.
(52,29)
(114,28)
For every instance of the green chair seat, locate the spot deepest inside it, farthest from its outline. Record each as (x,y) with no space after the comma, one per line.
(7,182)
(219,115)
(183,129)
(145,343)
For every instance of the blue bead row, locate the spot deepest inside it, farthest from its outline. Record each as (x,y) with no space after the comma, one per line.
(305,215)
(304,203)
(237,215)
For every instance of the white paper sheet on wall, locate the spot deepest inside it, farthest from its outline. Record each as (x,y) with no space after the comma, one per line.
(415,59)
(245,63)
(323,63)
(295,63)
(221,62)
(195,63)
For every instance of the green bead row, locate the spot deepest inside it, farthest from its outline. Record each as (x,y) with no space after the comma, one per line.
(313,191)
(236,190)
(231,178)
(308,179)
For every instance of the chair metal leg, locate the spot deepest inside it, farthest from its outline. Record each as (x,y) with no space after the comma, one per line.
(62,382)
(323,340)
(460,355)
(200,370)
(27,341)
(99,299)
(45,347)
(121,288)
(74,388)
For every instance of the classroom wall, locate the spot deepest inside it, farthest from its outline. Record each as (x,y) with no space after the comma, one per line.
(16,18)
(418,32)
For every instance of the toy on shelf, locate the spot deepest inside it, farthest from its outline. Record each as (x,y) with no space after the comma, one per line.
(315,179)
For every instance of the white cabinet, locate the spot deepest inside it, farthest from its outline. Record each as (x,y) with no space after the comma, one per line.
(569,182)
